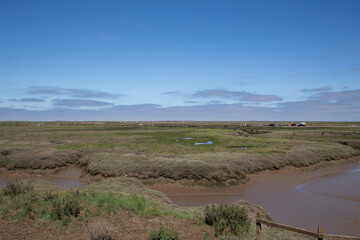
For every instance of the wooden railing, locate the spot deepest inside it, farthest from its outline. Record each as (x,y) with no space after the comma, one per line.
(320,235)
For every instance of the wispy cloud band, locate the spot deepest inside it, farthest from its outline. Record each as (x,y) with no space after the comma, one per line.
(321,89)
(72,92)
(34,100)
(75,103)
(242,96)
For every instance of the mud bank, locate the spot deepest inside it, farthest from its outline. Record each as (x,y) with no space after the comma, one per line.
(68,177)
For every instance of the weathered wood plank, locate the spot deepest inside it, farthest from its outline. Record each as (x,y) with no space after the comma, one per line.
(338,237)
(306,232)
(258,227)
(320,233)
(286,227)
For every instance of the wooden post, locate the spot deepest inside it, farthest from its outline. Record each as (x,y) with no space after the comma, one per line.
(320,233)
(258,227)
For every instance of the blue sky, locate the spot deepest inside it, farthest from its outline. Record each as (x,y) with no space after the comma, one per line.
(180,60)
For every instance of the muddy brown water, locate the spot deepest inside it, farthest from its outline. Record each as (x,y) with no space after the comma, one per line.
(65,178)
(329,196)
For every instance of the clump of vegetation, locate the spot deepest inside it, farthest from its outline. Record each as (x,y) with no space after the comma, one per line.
(5,152)
(227,219)
(355,144)
(4,161)
(42,159)
(255,131)
(100,230)
(164,233)
(66,206)
(207,236)
(13,189)
(128,185)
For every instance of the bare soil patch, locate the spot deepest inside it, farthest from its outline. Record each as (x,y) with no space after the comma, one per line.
(124,225)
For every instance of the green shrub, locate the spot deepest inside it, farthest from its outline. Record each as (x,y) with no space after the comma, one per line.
(164,234)
(228,219)
(66,207)
(72,204)
(220,226)
(5,152)
(49,195)
(15,189)
(207,236)
(4,161)
(25,203)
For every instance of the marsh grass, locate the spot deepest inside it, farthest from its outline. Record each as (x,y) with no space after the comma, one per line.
(212,166)
(125,149)
(42,158)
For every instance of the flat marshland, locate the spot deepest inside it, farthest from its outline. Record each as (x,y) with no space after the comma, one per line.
(131,154)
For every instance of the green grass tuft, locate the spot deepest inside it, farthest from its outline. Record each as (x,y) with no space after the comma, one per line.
(164,233)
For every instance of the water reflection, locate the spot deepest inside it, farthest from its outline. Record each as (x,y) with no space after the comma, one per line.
(209,142)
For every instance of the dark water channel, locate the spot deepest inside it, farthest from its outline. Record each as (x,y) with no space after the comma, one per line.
(328,196)
(66,178)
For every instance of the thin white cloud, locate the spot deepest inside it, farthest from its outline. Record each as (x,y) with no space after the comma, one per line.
(72,92)
(34,100)
(242,96)
(350,97)
(321,89)
(170,93)
(75,103)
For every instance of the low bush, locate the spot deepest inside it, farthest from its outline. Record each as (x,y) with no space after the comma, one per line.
(15,189)
(5,152)
(164,234)
(49,195)
(207,236)
(100,230)
(255,131)
(62,208)
(227,219)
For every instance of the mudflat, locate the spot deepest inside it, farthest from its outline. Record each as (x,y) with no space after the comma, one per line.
(68,177)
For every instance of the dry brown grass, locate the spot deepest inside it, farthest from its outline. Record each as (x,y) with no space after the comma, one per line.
(101,230)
